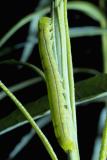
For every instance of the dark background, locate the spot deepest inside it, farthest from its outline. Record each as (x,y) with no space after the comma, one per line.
(86,52)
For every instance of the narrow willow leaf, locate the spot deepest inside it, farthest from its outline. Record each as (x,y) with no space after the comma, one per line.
(21,85)
(92,89)
(28,65)
(16,118)
(74,32)
(27,137)
(86,7)
(89,31)
(33,29)
(89,90)
(86,71)
(21,23)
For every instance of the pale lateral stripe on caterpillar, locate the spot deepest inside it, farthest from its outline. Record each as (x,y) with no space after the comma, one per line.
(57,3)
(61,117)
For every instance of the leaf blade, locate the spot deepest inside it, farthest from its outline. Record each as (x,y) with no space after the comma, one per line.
(86,91)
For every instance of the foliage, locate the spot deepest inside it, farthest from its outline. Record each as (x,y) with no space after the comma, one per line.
(88,90)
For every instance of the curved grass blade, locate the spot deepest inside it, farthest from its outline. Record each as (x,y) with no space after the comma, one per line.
(26,114)
(29,65)
(20,24)
(86,71)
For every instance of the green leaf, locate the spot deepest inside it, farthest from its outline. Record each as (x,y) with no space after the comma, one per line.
(86,91)
(92,89)
(16,118)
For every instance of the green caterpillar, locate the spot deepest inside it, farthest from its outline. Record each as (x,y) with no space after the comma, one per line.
(61,117)
(57,3)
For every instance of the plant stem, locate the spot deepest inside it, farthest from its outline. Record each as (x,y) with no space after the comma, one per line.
(103,150)
(31,121)
(72,155)
(96,14)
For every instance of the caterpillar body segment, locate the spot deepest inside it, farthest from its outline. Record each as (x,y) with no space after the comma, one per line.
(61,117)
